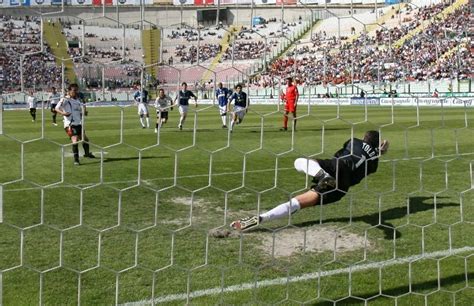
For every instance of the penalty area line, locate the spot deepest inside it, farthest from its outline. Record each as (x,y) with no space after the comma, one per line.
(305,277)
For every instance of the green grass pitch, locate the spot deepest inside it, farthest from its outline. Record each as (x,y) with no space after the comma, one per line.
(134,225)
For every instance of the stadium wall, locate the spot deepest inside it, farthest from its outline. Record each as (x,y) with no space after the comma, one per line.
(171,15)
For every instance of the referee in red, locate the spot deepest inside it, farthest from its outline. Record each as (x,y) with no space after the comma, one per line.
(291,101)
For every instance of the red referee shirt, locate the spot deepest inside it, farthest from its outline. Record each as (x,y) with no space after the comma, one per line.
(291,93)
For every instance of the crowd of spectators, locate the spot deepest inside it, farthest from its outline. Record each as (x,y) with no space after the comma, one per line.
(443,48)
(372,58)
(245,50)
(187,34)
(19,31)
(189,54)
(20,51)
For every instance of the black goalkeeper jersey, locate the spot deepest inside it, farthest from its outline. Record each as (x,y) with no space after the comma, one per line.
(359,158)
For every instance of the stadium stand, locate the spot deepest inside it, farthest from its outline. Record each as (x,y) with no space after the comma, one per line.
(20,47)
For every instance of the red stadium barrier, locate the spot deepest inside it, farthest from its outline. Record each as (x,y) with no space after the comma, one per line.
(203,2)
(99,2)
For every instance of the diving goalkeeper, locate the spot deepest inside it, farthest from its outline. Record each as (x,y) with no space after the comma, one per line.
(331,177)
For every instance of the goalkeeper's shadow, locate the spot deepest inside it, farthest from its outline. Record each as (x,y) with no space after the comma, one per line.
(416,204)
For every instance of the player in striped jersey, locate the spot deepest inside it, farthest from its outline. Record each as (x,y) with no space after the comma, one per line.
(54,98)
(222,96)
(141,98)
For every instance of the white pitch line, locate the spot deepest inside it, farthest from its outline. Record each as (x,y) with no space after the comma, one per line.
(304,277)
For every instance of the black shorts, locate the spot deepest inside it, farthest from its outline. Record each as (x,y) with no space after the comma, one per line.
(76,130)
(164,115)
(342,172)
(32,110)
(53,108)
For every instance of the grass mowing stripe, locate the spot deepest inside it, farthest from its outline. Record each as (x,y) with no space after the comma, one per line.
(304,277)
(163,178)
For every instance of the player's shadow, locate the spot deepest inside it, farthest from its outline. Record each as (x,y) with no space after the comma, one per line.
(400,290)
(115,159)
(416,204)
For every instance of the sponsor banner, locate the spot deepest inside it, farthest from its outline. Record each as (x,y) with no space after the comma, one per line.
(396,101)
(468,102)
(14,2)
(412,102)
(365,101)
(430,102)
(183,2)
(325,101)
(56,2)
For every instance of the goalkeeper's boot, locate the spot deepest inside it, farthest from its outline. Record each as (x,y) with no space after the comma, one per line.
(245,223)
(89,155)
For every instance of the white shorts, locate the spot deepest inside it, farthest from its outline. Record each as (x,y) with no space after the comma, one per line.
(142,109)
(222,109)
(183,109)
(240,111)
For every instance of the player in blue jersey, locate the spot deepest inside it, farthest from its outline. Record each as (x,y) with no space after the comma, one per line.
(222,96)
(141,98)
(182,100)
(332,178)
(241,106)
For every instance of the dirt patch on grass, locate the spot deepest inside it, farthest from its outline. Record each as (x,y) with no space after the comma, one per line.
(224,233)
(288,242)
(188,201)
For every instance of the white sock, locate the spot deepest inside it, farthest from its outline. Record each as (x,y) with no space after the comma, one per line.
(181,120)
(282,210)
(141,121)
(232,125)
(147,122)
(223,120)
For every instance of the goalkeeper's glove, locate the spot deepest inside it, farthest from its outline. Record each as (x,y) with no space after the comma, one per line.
(384,146)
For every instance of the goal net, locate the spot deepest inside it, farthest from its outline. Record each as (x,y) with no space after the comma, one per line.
(147,220)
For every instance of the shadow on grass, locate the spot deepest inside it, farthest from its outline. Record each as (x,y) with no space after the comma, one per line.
(416,204)
(400,290)
(114,159)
